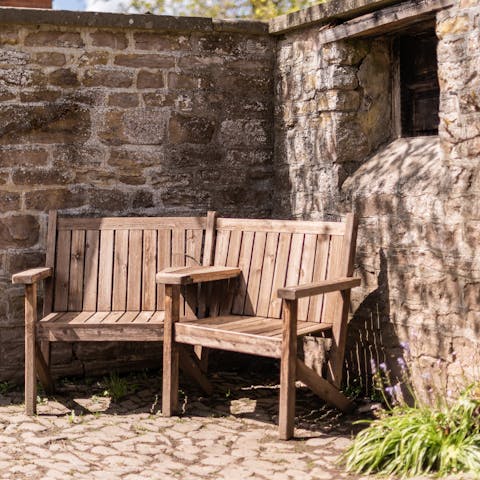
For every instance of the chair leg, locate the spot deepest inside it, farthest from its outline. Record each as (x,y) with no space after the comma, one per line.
(170,352)
(288,360)
(43,366)
(30,347)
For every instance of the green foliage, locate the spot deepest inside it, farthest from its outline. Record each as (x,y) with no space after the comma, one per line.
(410,441)
(5,387)
(117,387)
(254,9)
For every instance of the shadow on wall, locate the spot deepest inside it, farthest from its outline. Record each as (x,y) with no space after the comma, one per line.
(416,262)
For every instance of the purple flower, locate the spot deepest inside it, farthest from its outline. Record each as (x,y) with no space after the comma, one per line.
(383,366)
(405,346)
(401,362)
(373,366)
(389,390)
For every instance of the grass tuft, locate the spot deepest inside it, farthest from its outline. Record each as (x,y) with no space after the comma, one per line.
(408,441)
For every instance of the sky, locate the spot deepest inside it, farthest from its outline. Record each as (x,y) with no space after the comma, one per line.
(91,5)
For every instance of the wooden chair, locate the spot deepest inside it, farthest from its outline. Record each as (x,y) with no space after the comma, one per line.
(281,280)
(100,285)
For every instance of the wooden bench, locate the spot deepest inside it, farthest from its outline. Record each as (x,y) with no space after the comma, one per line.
(282,280)
(100,285)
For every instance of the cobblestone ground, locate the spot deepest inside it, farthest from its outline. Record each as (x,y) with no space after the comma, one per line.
(83,433)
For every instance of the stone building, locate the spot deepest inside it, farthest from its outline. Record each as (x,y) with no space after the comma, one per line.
(364,105)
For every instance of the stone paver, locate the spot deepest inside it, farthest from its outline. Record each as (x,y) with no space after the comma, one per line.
(232,435)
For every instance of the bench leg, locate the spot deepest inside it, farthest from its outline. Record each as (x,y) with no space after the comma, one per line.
(30,349)
(288,360)
(170,351)
(43,366)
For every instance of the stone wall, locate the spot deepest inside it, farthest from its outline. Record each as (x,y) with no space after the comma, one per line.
(166,117)
(417,199)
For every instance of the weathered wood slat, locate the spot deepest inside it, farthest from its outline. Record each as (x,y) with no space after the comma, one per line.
(164,260)
(33,275)
(243,343)
(306,272)
(255,273)
(92,248)
(193,258)
(325,286)
(280,274)
(77,258)
(385,21)
(105,270)
(281,226)
(118,333)
(134,282)
(62,270)
(319,273)
(334,270)
(50,261)
(268,269)
(131,223)
(120,265)
(149,270)
(244,263)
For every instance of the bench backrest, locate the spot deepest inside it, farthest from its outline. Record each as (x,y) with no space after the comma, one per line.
(110,263)
(276,253)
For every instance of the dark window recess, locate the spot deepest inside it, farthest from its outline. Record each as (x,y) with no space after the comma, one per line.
(419,84)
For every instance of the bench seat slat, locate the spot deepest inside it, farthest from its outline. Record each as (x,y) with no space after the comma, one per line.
(96,319)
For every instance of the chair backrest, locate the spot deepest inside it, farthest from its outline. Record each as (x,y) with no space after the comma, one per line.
(276,253)
(110,263)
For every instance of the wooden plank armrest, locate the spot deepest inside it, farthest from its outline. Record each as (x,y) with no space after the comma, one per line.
(187,275)
(325,286)
(32,275)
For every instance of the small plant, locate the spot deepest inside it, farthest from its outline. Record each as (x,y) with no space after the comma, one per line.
(5,387)
(413,440)
(117,387)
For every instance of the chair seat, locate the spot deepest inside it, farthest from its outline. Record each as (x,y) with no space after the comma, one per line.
(241,333)
(102,326)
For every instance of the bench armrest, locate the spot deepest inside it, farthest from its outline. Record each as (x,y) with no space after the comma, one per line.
(188,275)
(325,286)
(33,275)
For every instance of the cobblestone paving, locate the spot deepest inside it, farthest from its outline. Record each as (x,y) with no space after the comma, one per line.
(83,434)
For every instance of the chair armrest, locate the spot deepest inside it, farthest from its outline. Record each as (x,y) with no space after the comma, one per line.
(188,275)
(325,286)
(33,275)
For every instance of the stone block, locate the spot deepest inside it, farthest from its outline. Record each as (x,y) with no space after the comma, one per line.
(18,261)
(186,129)
(182,81)
(244,132)
(24,157)
(9,35)
(113,40)
(123,100)
(41,176)
(43,95)
(452,26)
(160,42)
(159,99)
(94,58)
(135,158)
(55,199)
(147,79)
(63,77)
(58,122)
(107,77)
(54,39)
(144,60)
(49,59)
(9,201)
(18,231)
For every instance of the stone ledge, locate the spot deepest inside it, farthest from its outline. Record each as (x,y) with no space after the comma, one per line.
(325,13)
(165,23)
